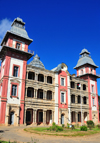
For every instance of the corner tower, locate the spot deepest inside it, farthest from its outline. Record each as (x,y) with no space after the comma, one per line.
(86,69)
(14,54)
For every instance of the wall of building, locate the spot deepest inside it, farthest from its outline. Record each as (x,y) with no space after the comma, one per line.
(56,98)
(12,79)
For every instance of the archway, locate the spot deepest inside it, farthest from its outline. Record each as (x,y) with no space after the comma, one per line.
(12,118)
(62,118)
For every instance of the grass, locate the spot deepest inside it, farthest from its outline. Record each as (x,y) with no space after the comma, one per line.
(65,132)
(3,142)
(7,142)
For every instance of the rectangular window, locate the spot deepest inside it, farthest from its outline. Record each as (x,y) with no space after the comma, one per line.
(62,81)
(92,88)
(91,70)
(93,101)
(17,45)
(41,95)
(62,97)
(29,93)
(81,72)
(15,73)
(28,116)
(14,90)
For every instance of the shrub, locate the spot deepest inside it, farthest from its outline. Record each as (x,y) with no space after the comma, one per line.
(56,128)
(98,126)
(73,127)
(63,125)
(90,124)
(83,128)
(59,128)
(67,125)
(53,124)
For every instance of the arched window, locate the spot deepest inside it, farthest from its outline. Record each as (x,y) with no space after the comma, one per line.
(49,95)
(72,98)
(84,87)
(49,79)
(78,99)
(78,85)
(84,100)
(72,84)
(40,93)
(31,75)
(41,77)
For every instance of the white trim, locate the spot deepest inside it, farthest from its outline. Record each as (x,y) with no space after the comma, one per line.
(64,80)
(64,97)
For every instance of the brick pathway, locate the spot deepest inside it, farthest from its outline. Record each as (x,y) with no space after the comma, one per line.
(17,134)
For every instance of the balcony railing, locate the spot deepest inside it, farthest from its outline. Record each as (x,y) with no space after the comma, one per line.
(30,51)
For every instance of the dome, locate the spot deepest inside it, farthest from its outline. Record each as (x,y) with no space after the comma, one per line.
(36,62)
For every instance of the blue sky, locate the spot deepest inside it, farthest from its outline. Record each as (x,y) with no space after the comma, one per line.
(60,28)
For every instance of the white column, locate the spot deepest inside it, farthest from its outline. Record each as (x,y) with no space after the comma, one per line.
(44,117)
(25,117)
(35,116)
(26,92)
(27,75)
(36,93)
(45,79)
(52,116)
(36,76)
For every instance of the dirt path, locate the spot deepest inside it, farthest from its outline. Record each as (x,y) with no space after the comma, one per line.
(17,134)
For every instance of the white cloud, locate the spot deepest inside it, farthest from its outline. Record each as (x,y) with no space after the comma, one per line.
(5,24)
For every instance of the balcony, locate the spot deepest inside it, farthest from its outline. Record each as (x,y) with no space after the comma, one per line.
(30,51)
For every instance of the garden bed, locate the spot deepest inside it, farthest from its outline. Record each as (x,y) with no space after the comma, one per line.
(65,132)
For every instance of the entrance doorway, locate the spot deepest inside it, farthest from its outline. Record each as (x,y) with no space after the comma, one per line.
(12,118)
(40,116)
(62,119)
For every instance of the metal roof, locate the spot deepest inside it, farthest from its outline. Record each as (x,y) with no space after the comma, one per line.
(18,29)
(36,62)
(84,51)
(85,59)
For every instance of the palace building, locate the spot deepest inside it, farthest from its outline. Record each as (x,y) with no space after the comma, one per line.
(31,94)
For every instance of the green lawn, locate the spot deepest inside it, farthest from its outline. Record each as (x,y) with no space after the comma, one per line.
(65,132)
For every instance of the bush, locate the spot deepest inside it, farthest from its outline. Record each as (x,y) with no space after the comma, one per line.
(67,125)
(98,126)
(73,127)
(59,128)
(55,127)
(53,124)
(63,125)
(90,124)
(83,128)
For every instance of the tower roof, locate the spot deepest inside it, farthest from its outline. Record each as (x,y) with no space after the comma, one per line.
(85,59)
(84,51)
(36,62)
(18,29)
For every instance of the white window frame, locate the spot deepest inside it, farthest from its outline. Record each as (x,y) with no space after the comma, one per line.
(64,97)
(13,90)
(93,101)
(14,72)
(64,81)
(92,88)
